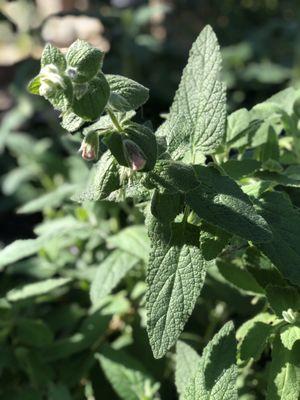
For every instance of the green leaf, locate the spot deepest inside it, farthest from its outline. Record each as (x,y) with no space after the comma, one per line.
(289,335)
(126,94)
(61,98)
(246,327)
(284,374)
(282,298)
(34,86)
(71,122)
(165,207)
(110,272)
(255,341)
(198,114)
(239,277)
(34,332)
(52,55)
(187,361)
(175,276)
(212,241)
(238,169)
(85,59)
(21,249)
(36,289)
(126,375)
(215,198)
(91,105)
(133,240)
(216,374)
(103,180)
(284,220)
(237,124)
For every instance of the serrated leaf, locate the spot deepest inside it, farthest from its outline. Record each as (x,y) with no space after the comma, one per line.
(187,361)
(289,335)
(282,298)
(198,114)
(103,180)
(216,374)
(215,198)
(126,375)
(284,374)
(34,86)
(126,94)
(110,272)
(284,220)
(36,289)
(71,122)
(175,276)
(91,105)
(255,341)
(85,58)
(133,240)
(52,55)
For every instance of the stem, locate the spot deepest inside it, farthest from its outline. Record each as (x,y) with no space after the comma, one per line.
(186,214)
(114,119)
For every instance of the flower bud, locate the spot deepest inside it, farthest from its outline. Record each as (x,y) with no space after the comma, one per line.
(134,155)
(90,146)
(50,80)
(289,316)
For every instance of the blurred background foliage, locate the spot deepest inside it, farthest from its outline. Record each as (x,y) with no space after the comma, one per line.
(147,40)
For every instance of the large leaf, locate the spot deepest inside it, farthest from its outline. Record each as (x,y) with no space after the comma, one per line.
(284,373)
(176,274)
(110,272)
(198,113)
(215,198)
(216,374)
(284,220)
(187,361)
(126,375)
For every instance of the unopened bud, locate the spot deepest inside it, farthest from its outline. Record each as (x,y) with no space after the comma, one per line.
(72,72)
(289,316)
(90,146)
(50,80)
(134,155)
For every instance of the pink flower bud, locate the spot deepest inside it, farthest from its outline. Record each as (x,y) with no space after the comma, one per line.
(89,147)
(134,155)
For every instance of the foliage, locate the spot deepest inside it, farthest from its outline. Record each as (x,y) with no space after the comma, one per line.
(219,202)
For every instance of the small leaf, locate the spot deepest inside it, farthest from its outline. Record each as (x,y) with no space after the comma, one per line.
(52,55)
(110,272)
(84,60)
(187,361)
(34,86)
(103,180)
(91,105)
(126,375)
(36,289)
(216,374)
(126,94)
(176,274)
(71,122)
(212,241)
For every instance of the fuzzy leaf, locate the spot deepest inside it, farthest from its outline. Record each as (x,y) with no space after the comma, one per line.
(216,374)
(255,341)
(52,55)
(289,335)
(110,272)
(126,375)
(126,94)
(284,220)
(198,114)
(187,361)
(71,122)
(282,298)
(284,374)
(85,59)
(176,275)
(91,105)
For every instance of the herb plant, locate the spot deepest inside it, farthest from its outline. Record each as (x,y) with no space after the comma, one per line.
(219,198)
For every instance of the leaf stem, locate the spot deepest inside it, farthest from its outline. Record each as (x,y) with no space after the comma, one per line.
(114,119)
